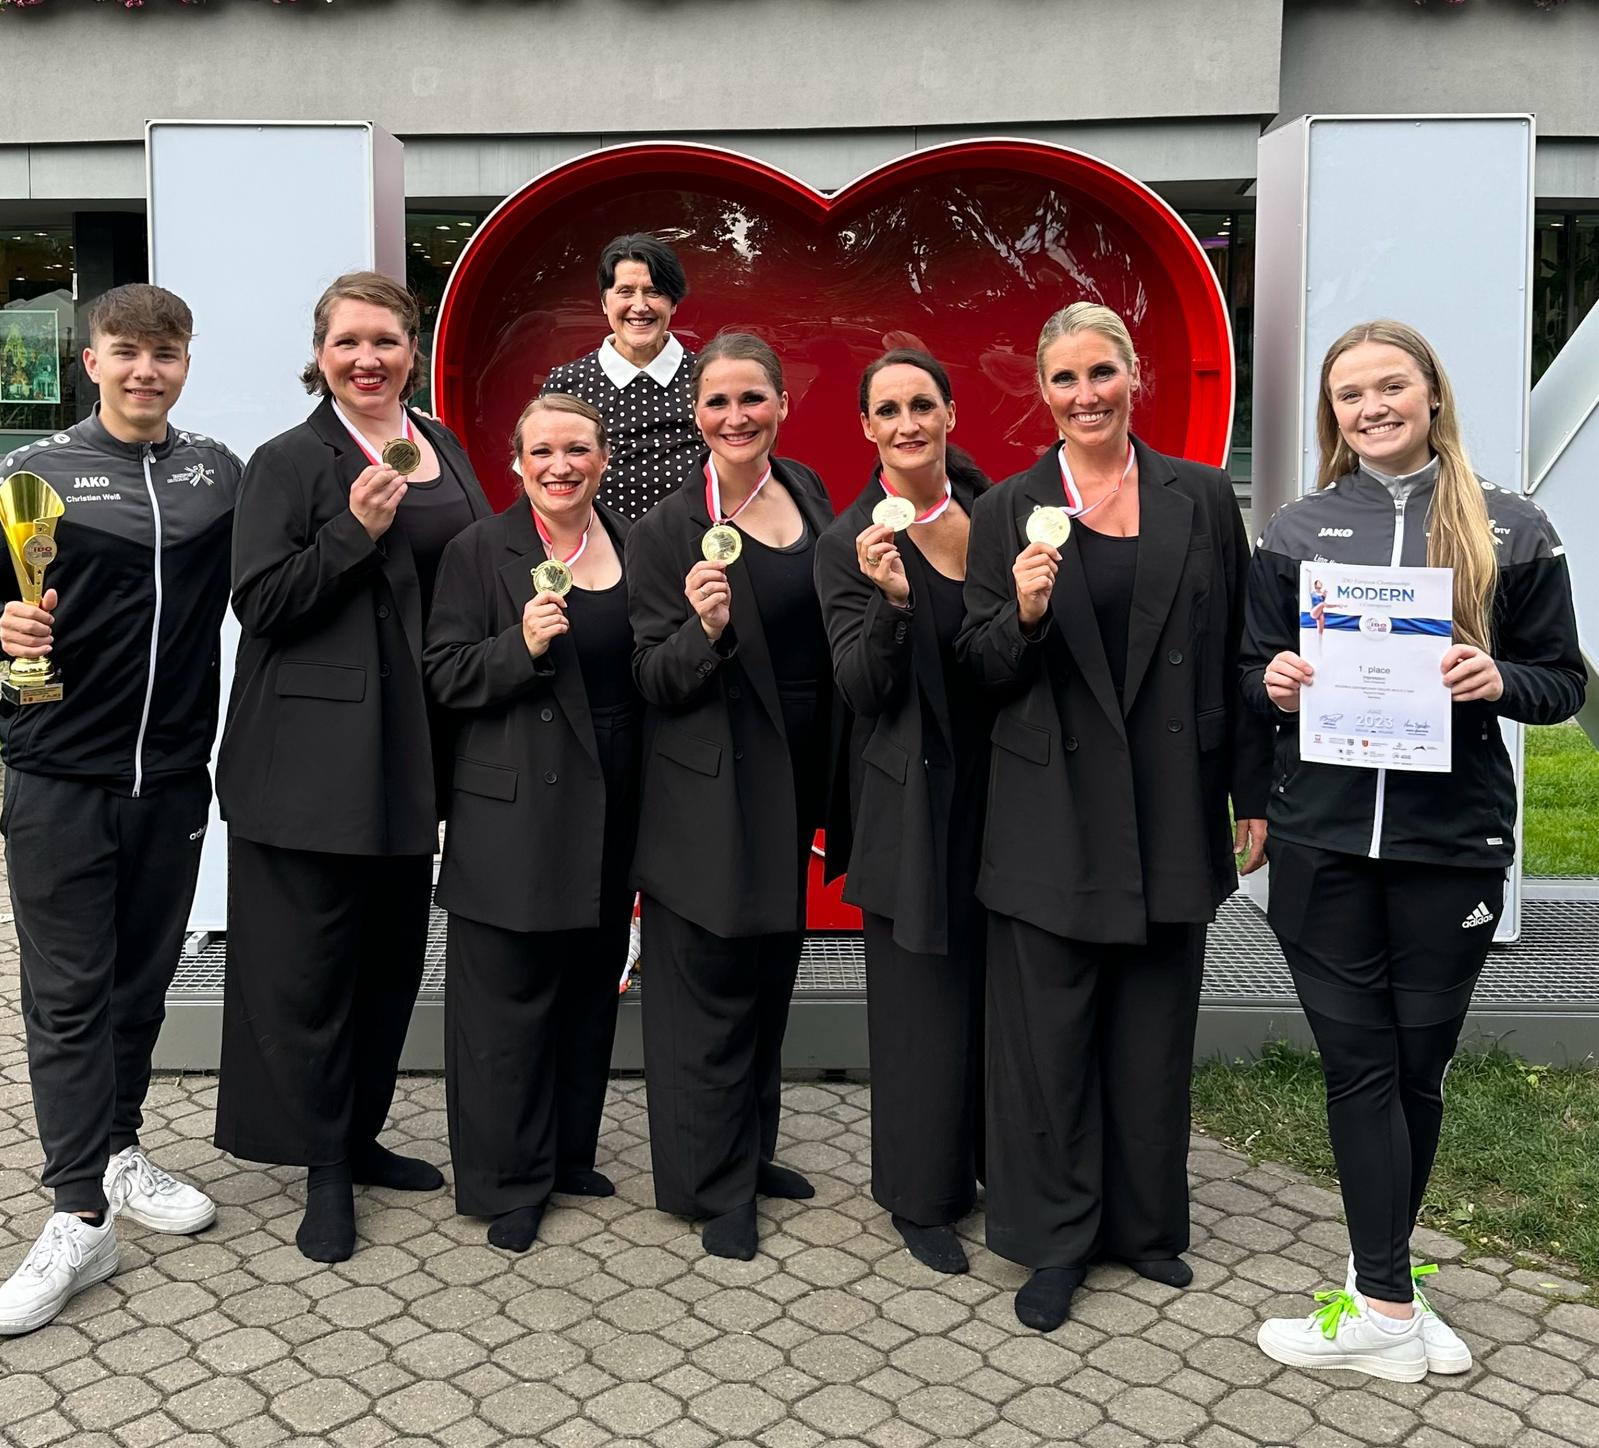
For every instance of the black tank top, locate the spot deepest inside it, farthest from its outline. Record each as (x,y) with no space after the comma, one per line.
(603,638)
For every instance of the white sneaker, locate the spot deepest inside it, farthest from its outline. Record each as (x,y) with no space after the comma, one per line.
(1446,1350)
(137,1188)
(69,1256)
(1341,1334)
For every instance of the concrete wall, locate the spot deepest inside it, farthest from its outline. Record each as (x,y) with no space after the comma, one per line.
(1489,55)
(487,93)
(548,67)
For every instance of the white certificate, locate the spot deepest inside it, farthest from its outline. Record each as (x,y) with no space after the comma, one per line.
(1376,638)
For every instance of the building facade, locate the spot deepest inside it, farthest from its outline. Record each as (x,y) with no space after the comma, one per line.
(487,94)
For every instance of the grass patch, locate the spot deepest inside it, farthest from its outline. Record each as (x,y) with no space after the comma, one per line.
(1518,1165)
(1562,803)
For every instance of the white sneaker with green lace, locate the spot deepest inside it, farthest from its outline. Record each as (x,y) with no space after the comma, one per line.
(1446,1350)
(1341,1334)
(71,1254)
(137,1188)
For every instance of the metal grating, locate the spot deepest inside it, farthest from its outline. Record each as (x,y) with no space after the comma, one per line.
(1554,965)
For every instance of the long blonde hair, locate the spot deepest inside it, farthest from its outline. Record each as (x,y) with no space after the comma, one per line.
(1460,533)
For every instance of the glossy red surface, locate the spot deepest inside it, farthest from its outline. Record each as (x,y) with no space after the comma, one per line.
(963,249)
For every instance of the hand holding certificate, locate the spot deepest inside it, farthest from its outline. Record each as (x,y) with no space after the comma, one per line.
(1376,638)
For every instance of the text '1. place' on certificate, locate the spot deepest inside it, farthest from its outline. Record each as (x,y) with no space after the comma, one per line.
(1376,638)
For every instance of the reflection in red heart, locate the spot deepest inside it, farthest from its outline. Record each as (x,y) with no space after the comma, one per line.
(964,249)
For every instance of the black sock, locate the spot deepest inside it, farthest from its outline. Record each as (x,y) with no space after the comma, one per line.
(327,1231)
(97,1220)
(732,1234)
(935,1247)
(1168,1271)
(376,1166)
(772,1180)
(1046,1300)
(582,1181)
(516,1231)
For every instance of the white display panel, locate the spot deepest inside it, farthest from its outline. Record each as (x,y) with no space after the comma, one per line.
(1563,463)
(249,222)
(1427,219)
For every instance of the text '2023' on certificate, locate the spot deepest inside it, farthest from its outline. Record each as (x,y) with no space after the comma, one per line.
(1376,638)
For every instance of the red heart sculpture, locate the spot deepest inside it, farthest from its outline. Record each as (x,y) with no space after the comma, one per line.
(964,249)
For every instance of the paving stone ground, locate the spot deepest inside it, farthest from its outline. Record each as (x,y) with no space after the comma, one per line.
(617,1329)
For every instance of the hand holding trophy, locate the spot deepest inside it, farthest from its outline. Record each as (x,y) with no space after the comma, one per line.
(29,508)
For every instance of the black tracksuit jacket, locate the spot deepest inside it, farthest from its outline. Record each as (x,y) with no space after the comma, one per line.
(142,579)
(1464,817)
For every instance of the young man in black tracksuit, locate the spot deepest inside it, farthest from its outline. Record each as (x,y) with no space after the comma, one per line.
(106,790)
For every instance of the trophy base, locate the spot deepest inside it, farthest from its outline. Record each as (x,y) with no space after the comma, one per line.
(19,692)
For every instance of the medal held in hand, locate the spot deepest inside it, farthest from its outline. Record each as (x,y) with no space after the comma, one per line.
(894,512)
(29,508)
(403,455)
(1049,525)
(552,576)
(722,544)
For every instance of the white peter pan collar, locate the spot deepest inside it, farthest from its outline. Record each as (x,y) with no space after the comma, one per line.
(661,369)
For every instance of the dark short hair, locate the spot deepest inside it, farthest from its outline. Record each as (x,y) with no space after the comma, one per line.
(666,271)
(379,291)
(142,311)
(737,347)
(907,357)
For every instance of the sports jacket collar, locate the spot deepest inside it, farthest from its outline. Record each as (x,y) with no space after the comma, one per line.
(94,432)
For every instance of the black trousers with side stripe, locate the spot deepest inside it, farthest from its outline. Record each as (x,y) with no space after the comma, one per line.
(101,885)
(1385,955)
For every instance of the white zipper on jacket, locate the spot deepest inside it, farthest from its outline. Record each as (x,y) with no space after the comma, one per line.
(155,630)
(1382,774)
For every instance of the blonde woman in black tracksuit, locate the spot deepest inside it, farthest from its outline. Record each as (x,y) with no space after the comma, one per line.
(1386,886)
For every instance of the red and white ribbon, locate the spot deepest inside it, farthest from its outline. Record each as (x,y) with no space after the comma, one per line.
(713,493)
(1074,496)
(928,515)
(408,433)
(549,542)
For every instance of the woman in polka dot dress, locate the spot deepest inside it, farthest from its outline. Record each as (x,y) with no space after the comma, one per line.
(638,377)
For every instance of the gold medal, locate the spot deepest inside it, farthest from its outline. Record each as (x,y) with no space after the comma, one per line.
(722,544)
(39,550)
(894,512)
(1049,525)
(403,455)
(552,576)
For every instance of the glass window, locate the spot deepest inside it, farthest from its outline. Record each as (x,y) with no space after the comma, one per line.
(433,241)
(1550,277)
(38,367)
(1241,311)
(1228,238)
(1584,243)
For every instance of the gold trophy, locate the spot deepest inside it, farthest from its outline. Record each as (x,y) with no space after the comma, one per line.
(29,507)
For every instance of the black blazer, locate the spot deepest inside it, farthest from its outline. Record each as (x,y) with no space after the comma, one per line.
(326,742)
(1105,814)
(527,803)
(886,665)
(717,826)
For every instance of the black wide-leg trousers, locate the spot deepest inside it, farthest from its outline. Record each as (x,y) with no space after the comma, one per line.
(924,1023)
(1385,955)
(101,886)
(529,1021)
(324,960)
(1090,1049)
(715,1010)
